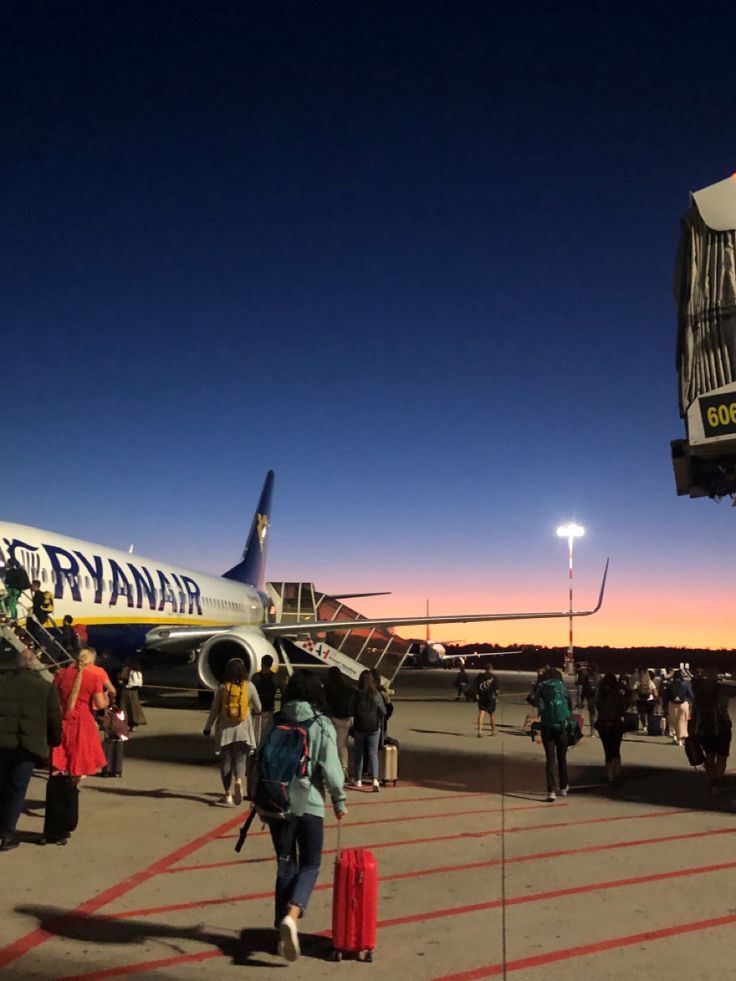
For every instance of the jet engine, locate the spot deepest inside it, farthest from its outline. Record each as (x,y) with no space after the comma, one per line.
(426,654)
(247,643)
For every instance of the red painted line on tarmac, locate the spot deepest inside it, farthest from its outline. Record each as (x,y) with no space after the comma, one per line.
(492,969)
(540,897)
(603,820)
(116,972)
(36,937)
(452,837)
(524,963)
(404,800)
(413,817)
(437,870)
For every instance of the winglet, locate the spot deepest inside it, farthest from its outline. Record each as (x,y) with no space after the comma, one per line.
(251,570)
(599,604)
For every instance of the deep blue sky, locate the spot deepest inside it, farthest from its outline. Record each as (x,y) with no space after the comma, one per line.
(415,257)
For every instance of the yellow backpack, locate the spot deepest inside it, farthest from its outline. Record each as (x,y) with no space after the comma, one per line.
(234,703)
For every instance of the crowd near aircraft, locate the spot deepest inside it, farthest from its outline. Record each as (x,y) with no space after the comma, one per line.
(130,603)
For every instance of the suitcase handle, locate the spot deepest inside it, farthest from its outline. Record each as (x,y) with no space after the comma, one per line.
(339,847)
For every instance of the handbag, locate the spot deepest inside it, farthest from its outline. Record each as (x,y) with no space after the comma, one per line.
(574,732)
(694,751)
(631,722)
(115,725)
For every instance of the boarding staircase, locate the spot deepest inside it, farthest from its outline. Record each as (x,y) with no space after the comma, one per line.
(345,645)
(27,632)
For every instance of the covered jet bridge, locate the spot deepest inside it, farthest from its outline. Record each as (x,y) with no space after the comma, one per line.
(705,292)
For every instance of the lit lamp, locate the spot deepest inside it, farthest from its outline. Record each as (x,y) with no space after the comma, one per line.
(570,531)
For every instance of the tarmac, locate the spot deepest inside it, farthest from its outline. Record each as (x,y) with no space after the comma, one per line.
(479,877)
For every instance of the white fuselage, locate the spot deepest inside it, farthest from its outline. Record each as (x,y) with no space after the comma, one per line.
(120,596)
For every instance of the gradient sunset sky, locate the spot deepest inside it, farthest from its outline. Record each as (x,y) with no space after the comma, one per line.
(416,257)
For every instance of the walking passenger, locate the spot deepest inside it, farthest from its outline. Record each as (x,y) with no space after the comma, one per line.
(462,683)
(235,704)
(555,713)
(298,842)
(610,705)
(130,679)
(646,693)
(486,690)
(712,725)
(30,722)
(590,691)
(69,637)
(266,684)
(80,754)
(680,697)
(368,712)
(340,699)
(16,583)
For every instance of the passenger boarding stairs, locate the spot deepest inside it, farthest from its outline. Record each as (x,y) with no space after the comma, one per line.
(28,632)
(352,649)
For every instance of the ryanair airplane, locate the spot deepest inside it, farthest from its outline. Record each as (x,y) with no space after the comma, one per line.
(131,603)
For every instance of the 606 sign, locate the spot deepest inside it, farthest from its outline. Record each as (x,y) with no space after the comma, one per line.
(719,414)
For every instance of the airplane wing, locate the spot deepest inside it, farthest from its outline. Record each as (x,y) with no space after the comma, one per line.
(175,635)
(313,627)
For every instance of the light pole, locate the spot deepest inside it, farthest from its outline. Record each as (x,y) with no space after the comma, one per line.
(570,531)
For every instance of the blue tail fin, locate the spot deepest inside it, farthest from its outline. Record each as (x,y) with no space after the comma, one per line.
(251,570)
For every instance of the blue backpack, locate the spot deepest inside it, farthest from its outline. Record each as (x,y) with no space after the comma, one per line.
(555,712)
(283,756)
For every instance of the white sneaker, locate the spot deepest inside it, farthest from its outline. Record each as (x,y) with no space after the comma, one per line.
(563,791)
(551,796)
(227,800)
(358,783)
(376,786)
(289,938)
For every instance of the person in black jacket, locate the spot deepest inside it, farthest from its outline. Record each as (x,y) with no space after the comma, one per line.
(340,698)
(16,582)
(267,684)
(30,722)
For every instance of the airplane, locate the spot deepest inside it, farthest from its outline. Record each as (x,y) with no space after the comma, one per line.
(180,616)
(430,653)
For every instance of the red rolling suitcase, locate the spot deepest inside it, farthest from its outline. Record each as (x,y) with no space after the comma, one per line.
(354,904)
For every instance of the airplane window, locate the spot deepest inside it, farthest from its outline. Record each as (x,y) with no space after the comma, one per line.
(43,575)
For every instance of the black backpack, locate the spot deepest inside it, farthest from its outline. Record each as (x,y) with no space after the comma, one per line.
(365,718)
(677,691)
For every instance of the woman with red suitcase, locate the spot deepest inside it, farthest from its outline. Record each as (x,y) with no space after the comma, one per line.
(298,841)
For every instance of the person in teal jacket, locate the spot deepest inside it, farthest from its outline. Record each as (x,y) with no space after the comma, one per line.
(297,873)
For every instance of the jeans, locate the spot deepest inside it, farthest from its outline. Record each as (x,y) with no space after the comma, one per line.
(296,875)
(342,728)
(363,740)
(555,742)
(16,770)
(233,757)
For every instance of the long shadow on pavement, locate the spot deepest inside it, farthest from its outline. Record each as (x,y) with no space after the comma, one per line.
(242,950)
(459,768)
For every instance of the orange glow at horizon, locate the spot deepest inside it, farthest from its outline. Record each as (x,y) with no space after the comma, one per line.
(633,620)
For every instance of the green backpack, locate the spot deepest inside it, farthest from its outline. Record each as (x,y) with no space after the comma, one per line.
(555,712)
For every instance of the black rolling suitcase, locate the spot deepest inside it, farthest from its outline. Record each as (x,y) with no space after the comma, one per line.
(114,754)
(62,808)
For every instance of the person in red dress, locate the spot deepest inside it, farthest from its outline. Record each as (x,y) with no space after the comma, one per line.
(81,690)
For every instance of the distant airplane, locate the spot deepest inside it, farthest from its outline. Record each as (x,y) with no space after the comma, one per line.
(130,603)
(428,653)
